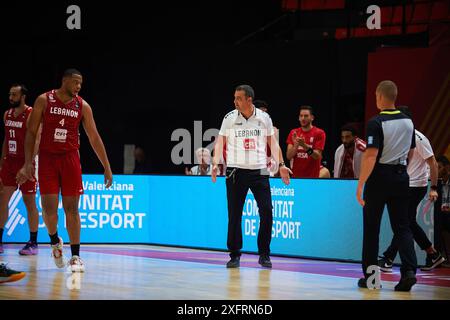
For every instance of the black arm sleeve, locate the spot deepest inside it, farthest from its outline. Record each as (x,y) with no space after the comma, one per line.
(374,134)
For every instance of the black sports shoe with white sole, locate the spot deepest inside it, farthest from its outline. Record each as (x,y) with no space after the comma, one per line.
(433,261)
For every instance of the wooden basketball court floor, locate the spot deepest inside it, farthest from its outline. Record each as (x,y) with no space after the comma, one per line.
(137,272)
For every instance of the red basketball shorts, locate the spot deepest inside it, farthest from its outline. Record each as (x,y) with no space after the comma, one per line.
(60,172)
(8,175)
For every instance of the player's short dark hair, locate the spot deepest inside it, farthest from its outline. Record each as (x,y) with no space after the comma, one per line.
(249,92)
(261,104)
(23,88)
(307,108)
(443,159)
(71,72)
(405,110)
(350,128)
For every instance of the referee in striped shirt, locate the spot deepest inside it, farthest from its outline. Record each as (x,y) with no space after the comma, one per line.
(246,133)
(390,143)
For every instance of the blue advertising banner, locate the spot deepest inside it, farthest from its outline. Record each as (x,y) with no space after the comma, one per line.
(317,218)
(115,215)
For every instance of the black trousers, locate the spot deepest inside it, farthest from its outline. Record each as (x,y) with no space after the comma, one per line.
(238,181)
(387,185)
(416,194)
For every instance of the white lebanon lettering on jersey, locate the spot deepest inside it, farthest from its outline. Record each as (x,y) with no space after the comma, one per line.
(14,124)
(64,112)
(246,133)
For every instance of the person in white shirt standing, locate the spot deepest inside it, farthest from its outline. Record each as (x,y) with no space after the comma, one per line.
(246,132)
(422,159)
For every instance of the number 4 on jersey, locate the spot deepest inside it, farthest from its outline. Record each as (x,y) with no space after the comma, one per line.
(62,122)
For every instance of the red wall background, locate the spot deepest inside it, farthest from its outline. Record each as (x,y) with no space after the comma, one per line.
(423,79)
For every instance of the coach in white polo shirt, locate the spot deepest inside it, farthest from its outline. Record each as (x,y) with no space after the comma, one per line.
(246,132)
(422,161)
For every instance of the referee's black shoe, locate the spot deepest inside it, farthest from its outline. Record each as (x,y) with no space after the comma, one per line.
(406,282)
(362,283)
(234,262)
(264,260)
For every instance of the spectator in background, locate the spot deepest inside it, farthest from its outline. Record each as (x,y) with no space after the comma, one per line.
(442,208)
(204,163)
(324,172)
(271,164)
(141,164)
(347,158)
(305,146)
(444,174)
(262,105)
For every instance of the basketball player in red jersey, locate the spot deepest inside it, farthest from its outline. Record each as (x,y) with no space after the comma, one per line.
(12,159)
(61,111)
(305,146)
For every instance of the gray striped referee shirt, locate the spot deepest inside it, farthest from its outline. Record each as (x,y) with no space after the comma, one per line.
(392,133)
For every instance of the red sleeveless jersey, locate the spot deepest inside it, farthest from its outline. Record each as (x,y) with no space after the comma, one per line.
(60,125)
(15,130)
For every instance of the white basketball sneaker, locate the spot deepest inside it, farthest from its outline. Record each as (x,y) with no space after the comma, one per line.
(57,253)
(76,264)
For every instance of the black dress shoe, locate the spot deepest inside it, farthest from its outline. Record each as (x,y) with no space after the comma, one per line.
(264,260)
(406,282)
(362,283)
(234,262)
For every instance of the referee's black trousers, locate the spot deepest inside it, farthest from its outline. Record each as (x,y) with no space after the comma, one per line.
(238,184)
(387,185)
